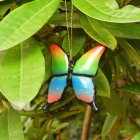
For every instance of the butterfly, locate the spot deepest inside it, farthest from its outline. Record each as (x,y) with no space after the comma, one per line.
(79,75)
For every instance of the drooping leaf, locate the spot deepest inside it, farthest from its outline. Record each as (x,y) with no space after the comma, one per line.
(102,85)
(137,137)
(78,37)
(125,30)
(50,135)
(22,71)
(127,64)
(108,10)
(4,7)
(11,126)
(136,44)
(111,126)
(115,105)
(72,111)
(131,88)
(47,55)
(96,31)
(60,19)
(130,51)
(25,21)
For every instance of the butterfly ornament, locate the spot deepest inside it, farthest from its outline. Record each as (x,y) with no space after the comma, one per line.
(77,75)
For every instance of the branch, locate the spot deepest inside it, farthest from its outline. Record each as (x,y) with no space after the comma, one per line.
(86,125)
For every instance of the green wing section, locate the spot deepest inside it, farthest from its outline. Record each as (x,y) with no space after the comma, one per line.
(88,64)
(59,60)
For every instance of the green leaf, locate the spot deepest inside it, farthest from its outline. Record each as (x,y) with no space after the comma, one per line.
(102,85)
(47,56)
(79,38)
(136,137)
(136,44)
(10,126)
(111,126)
(76,109)
(131,88)
(60,126)
(125,30)
(108,10)
(127,64)
(25,21)
(115,105)
(22,71)
(50,135)
(60,19)
(130,51)
(95,30)
(4,7)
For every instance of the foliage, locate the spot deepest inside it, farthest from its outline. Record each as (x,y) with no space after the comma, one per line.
(27,28)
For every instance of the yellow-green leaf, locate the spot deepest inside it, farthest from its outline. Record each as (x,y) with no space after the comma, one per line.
(11,126)
(25,21)
(98,32)
(22,70)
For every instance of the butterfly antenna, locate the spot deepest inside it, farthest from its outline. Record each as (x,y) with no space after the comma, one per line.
(46,108)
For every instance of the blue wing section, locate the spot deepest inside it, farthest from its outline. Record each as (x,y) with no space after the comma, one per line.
(56,88)
(84,88)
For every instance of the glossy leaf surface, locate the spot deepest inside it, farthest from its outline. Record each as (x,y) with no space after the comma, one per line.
(11,126)
(96,31)
(125,30)
(4,8)
(25,21)
(108,10)
(131,88)
(130,52)
(136,137)
(22,71)
(79,37)
(102,85)
(111,126)
(115,105)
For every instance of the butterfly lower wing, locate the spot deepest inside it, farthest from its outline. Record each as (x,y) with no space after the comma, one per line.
(59,60)
(88,64)
(56,88)
(84,89)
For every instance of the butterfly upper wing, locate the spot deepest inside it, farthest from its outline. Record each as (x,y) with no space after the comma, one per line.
(59,60)
(88,63)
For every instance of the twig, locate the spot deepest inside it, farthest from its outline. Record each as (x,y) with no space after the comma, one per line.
(86,125)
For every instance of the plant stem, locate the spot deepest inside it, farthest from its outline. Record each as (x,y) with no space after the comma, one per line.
(86,124)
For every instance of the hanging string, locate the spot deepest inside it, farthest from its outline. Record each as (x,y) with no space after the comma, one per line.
(69,32)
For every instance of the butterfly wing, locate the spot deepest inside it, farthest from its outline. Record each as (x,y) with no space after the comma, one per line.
(56,88)
(59,60)
(59,83)
(88,64)
(84,89)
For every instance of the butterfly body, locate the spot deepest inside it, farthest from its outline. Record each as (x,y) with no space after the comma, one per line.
(78,76)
